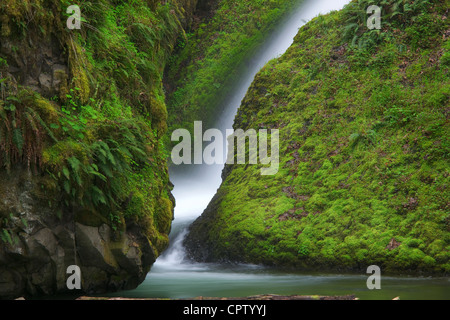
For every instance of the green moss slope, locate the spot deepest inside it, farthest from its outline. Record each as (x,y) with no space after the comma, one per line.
(364,150)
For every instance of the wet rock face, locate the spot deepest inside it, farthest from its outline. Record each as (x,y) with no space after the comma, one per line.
(39,65)
(37,245)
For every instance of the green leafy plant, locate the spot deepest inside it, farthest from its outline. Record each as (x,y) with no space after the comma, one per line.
(395,14)
(398,116)
(363,138)
(303,250)
(7,226)
(23,130)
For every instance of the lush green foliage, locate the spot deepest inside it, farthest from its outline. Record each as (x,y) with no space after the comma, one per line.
(211,57)
(364,174)
(97,144)
(407,15)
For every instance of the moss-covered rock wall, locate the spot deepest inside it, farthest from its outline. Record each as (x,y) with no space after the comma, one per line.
(83,169)
(364,154)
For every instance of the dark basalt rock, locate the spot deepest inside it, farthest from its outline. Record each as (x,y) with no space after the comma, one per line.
(43,244)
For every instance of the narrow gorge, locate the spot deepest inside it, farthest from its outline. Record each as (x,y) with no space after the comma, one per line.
(87,117)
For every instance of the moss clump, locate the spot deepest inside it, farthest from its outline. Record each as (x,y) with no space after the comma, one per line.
(79,67)
(164,215)
(364,153)
(159,114)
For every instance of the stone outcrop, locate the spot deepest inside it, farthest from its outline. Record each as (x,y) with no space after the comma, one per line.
(42,243)
(44,70)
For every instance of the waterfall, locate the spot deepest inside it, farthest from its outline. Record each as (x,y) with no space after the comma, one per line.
(195,185)
(173,276)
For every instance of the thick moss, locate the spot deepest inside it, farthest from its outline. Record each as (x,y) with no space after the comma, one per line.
(79,67)
(159,114)
(364,152)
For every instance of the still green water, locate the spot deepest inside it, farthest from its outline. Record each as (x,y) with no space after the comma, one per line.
(241,281)
(173,276)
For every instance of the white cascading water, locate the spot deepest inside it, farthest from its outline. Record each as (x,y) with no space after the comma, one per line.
(195,185)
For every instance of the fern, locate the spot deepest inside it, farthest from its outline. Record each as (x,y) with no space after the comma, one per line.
(98,197)
(66,173)
(6,237)
(17,139)
(399,13)
(23,131)
(364,138)
(93,171)
(34,115)
(75,165)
